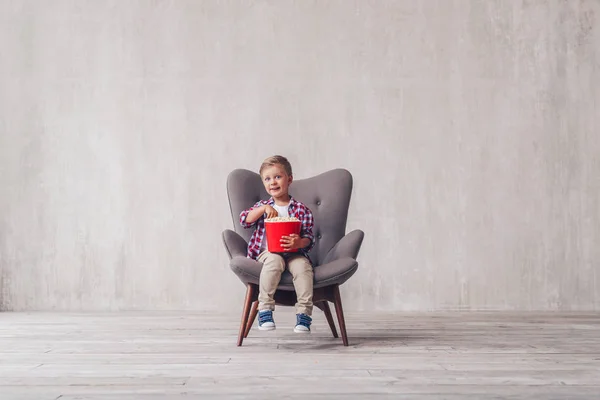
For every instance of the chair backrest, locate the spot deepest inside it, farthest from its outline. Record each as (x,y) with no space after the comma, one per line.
(327,195)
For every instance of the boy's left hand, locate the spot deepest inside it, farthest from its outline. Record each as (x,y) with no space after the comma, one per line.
(291,242)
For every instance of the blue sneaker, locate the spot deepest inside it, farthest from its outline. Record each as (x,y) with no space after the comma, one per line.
(265,320)
(303,322)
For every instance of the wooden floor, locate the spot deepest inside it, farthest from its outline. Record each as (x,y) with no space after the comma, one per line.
(391,356)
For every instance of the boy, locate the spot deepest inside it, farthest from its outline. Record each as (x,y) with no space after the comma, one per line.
(276,174)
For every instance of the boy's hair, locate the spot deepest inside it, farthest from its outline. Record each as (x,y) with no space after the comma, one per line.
(269,162)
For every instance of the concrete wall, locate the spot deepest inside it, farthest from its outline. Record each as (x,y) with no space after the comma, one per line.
(471,128)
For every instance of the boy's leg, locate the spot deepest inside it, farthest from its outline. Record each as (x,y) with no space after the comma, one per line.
(302,271)
(270,275)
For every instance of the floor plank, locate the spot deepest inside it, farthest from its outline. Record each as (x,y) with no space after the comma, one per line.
(167,355)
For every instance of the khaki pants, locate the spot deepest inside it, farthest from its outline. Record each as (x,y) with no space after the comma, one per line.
(270,275)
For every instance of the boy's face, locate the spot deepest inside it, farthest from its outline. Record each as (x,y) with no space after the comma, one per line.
(276,181)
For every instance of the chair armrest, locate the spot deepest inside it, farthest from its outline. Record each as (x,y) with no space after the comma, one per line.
(348,246)
(234,244)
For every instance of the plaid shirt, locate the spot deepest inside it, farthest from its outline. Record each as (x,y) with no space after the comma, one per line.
(296,209)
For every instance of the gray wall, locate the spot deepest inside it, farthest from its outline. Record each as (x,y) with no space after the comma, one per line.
(471,128)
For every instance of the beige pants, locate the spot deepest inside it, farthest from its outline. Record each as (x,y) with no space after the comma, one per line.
(270,275)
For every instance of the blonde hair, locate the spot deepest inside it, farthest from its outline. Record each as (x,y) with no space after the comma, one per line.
(269,162)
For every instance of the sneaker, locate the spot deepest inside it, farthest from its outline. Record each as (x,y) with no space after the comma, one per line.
(302,323)
(265,320)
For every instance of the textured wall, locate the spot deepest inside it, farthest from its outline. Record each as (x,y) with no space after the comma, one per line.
(471,128)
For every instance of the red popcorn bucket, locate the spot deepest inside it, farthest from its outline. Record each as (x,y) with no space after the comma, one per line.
(275,230)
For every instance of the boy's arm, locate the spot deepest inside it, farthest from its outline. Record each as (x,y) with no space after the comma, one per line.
(308,238)
(304,242)
(255,214)
(249,216)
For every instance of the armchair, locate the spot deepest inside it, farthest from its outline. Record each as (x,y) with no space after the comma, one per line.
(333,256)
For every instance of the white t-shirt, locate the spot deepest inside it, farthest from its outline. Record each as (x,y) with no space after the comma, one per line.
(283,211)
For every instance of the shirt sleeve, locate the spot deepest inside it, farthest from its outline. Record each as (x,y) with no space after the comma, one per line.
(244,215)
(307,227)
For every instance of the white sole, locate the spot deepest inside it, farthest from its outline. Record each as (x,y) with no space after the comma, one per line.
(266,328)
(300,331)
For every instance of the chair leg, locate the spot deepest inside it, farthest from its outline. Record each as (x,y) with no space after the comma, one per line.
(246,311)
(252,317)
(327,311)
(340,313)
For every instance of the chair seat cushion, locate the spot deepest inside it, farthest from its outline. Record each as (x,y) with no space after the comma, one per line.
(335,272)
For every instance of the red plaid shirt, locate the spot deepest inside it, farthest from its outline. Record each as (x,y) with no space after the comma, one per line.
(296,209)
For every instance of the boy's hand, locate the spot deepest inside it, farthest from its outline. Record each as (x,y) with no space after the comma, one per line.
(270,212)
(291,242)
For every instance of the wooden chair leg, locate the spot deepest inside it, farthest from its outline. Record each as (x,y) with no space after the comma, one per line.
(340,313)
(252,317)
(250,289)
(327,311)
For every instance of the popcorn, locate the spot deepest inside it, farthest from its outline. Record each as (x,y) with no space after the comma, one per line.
(282,219)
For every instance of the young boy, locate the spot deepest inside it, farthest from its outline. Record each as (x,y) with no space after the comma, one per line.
(276,174)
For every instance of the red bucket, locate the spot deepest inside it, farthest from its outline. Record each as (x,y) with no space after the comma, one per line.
(275,230)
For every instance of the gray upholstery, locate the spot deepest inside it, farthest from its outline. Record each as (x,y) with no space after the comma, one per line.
(328,196)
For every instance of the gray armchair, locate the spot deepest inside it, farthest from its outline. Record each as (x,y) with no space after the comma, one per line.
(333,256)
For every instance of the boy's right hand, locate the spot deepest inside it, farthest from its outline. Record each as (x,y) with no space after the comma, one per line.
(270,212)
